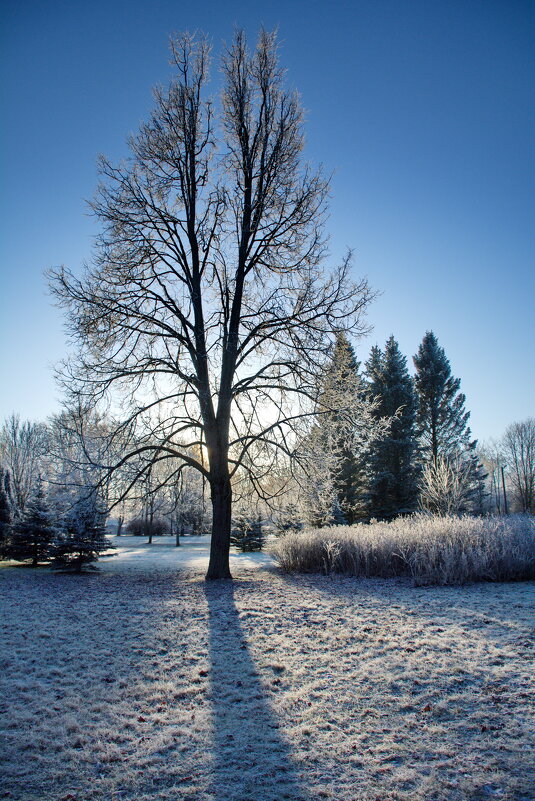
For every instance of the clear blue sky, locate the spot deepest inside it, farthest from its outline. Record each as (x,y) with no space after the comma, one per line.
(424,111)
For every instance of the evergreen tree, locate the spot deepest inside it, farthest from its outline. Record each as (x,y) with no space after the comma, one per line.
(82,537)
(246,533)
(32,534)
(442,419)
(338,518)
(393,470)
(341,393)
(5,509)
(374,369)
(288,519)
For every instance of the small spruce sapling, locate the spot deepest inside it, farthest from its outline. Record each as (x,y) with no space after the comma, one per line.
(288,520)
(246,533)
(82,538)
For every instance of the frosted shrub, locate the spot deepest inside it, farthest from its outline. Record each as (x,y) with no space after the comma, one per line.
(430,549)
(445,486)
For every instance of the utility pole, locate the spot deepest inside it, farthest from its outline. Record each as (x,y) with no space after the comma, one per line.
(504,493)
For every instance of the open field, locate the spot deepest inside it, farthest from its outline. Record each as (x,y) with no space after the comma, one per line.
(144,682)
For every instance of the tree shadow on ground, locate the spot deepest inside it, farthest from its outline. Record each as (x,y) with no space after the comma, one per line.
(251,758)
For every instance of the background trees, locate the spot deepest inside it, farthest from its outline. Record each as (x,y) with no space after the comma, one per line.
(62,520)
(491,457)
(206,309)
(6,515)
(345,427)
(519,452)
(419,453)
(23,451)
(331,457)
(78,454)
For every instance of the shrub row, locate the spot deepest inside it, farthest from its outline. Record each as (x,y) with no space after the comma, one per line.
(429,549)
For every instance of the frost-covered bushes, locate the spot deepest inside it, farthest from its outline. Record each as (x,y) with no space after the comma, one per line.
(432,550)
(140,527)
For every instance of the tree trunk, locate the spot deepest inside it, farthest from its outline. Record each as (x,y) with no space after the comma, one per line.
(150,524)
(221,493)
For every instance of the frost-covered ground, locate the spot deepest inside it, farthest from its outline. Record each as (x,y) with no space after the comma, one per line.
(144,682)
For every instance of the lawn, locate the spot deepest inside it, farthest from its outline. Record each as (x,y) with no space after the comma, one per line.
(144,682)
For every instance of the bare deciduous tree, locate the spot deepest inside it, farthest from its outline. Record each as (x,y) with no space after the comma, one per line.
(23,447)
(445,486)
(490,455)
(79,455)
(519,448)
(207,310)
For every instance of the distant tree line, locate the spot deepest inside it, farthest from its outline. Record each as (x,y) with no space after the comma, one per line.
(55,497)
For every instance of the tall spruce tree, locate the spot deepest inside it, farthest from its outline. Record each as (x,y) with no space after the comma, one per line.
(442,419)
(32,534)
(341,385)
(393,469)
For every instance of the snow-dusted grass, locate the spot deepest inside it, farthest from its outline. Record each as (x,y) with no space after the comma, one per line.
(134,553)
(142,682)
(432,550)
